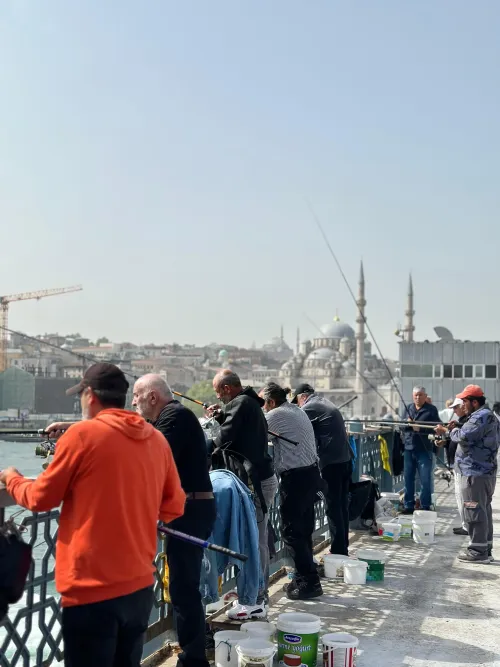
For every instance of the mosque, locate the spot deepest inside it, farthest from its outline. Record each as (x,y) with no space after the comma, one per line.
(339,364)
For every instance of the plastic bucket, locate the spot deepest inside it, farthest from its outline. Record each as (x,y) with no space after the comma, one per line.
(255,651)
(225,647)
(423,532)
(298,634)
(376,563)
(391,532)
(355,572)
(261,629)
(425,515)
(334,566)
(406,524)
(339,650)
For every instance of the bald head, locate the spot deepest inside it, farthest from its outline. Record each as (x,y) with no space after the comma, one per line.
(151,395)
(227,385)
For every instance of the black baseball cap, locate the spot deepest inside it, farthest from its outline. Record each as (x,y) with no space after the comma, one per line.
(102,377)
(303,388)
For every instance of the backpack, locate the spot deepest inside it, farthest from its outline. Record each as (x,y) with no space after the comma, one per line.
(15,564)
(362,498)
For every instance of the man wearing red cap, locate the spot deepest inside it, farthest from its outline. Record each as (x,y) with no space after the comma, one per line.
(476,459)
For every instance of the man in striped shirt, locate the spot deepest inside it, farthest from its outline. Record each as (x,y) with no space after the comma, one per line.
(297,466)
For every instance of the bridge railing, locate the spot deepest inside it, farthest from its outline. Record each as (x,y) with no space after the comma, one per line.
(31,633)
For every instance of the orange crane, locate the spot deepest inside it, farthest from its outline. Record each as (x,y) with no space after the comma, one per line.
(4,313)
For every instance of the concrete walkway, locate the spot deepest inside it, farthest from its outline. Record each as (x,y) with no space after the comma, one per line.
(431,610)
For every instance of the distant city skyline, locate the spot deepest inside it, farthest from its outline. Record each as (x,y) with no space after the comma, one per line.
(160,155)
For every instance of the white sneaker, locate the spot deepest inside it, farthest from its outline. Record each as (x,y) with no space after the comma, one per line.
(242,612)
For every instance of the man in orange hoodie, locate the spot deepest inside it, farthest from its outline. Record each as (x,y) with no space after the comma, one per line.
(115,476)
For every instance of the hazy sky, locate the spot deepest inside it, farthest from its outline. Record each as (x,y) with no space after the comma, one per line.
(160,152)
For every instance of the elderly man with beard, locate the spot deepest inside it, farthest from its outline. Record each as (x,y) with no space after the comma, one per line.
(154,401)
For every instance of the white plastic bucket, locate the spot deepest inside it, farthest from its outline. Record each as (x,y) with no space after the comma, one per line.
(406,524)
(334,566)
(355,572)
(339,650)
(391,532)
(423,532)
(255,651)
(225,647)
(298,634)
(425,515)
(261,629)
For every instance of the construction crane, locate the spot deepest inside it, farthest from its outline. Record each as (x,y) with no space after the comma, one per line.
(4,313)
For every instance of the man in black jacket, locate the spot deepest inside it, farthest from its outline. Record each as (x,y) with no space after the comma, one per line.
(242,447)
(335,461)
(153,400)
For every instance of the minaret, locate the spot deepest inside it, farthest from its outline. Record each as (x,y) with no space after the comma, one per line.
(297,349)
(409,326)
(360,342)
(282,337)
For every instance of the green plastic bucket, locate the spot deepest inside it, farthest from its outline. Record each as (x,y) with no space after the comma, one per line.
(298,634)
(376,563)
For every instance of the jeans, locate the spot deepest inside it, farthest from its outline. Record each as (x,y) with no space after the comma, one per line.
(269,489)
(235,528)
(298,491)
(423,461)
(109,633)
(338,478)
(458,497)
(184,564)
(477,494)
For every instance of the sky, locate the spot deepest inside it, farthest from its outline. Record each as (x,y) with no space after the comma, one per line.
(160,153)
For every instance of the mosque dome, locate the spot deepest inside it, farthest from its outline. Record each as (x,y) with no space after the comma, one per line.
(338,329)
(320,353)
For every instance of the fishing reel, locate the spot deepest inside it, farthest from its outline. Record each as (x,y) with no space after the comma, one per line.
(45,450)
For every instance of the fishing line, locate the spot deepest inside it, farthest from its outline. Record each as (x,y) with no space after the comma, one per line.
(332,253)
(354,366)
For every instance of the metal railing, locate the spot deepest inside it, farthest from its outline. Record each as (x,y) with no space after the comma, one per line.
(31,633)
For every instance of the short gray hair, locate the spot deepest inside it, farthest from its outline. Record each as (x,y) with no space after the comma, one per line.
(155,382)
(418,390)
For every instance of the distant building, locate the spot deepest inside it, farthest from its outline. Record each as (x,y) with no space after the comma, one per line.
(336,361)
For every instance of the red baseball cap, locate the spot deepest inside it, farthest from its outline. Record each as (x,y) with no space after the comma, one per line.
(471,391)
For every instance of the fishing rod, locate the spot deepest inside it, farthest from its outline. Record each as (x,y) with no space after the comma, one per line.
(202,543)
(354,366)
(332,253)
(345,403)
(389,423)
(206,406)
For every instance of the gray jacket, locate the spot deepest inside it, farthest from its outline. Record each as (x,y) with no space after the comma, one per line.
(329,430)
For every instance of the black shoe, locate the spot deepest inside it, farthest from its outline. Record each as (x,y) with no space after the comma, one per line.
(304,590)
(407,510)
(468,556)
(460,531)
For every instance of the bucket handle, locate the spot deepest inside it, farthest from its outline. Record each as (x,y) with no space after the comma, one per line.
(229,647)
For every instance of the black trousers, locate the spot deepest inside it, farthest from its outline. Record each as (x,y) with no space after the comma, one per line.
(298,490)
(184,564)
(109,633)
(338,478)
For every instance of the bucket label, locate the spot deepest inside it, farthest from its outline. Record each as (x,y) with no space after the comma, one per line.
(305,646)
(340,657)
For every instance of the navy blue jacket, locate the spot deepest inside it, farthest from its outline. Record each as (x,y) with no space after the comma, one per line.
(419,440)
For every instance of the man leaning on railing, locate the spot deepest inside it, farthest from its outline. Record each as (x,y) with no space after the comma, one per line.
(115,476)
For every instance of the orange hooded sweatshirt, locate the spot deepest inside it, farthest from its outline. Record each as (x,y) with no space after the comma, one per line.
(116,477)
